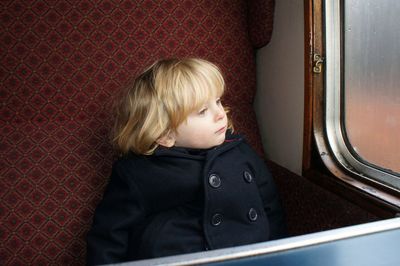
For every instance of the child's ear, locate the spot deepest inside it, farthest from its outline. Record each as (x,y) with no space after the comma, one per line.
(167,140)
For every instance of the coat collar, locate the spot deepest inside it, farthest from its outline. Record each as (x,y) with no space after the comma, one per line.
(231,141)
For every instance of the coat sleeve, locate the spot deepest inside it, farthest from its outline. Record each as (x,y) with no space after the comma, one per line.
(270,197)
(118,215)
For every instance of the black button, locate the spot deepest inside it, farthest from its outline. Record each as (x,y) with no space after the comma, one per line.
(248,177)
(252,215)
(216,219)
(214,181)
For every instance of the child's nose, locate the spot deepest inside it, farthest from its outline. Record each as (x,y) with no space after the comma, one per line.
(220,113)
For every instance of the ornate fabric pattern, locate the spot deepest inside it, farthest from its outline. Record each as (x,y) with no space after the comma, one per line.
(61,64)
(261,21)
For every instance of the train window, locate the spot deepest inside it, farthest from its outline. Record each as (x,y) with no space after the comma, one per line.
(362,87)
(372,91)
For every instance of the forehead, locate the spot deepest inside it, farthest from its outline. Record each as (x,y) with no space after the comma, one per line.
(207,84)
(199,94)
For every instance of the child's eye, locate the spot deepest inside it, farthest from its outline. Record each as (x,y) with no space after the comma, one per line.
(202,111)
(219,102)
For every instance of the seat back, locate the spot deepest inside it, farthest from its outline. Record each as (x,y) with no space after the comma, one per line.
(61,64)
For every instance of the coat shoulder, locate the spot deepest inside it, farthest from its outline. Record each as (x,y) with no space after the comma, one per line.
(246,148)
(127,165)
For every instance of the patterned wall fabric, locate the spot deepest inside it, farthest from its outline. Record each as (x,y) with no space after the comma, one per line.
(61,64)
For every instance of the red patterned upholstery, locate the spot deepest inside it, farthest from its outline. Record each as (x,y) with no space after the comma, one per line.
(261,18)
(61,63)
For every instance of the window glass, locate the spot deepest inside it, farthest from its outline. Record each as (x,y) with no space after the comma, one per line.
(371,78)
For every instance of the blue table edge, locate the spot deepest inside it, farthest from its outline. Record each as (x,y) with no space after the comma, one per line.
(263,248)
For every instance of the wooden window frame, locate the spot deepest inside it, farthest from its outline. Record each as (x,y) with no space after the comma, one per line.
(319,165)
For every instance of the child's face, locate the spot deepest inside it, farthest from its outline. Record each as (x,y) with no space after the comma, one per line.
(204,128)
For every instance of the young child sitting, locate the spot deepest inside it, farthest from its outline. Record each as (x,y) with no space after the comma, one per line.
(184,182)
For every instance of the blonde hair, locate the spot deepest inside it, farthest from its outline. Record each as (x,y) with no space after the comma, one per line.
(160,99)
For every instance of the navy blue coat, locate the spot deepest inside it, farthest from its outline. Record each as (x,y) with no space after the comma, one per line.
(180,201)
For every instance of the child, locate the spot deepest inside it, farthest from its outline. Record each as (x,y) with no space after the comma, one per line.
(184,183)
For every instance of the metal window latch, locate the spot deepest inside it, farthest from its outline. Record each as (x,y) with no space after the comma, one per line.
(318,60)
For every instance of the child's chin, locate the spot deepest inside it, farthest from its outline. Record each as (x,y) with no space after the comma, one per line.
(221,141)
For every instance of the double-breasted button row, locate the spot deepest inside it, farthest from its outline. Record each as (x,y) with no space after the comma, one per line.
(215,181)
(217,218)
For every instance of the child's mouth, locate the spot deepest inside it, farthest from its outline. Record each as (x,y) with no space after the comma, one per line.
(221,130)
